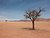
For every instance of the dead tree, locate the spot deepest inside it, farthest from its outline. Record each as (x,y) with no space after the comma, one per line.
(33,15)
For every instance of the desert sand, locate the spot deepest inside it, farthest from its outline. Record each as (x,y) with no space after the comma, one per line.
(24,30)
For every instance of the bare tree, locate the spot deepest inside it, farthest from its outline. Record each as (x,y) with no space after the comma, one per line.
(33,14)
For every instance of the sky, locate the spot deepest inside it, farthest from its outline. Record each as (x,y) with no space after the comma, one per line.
(15,9)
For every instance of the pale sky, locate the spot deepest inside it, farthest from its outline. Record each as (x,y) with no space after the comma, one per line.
(15,9)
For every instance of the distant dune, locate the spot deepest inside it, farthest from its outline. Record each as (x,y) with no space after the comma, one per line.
(38,19)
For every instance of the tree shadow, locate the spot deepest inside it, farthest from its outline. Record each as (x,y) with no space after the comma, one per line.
(27,28)
(35,29)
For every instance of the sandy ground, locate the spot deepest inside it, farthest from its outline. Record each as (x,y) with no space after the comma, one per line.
(24,30)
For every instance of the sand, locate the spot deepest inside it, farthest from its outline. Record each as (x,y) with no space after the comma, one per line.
(24,30)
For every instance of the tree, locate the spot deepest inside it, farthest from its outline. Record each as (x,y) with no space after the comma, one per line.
(33,15)
(5,20)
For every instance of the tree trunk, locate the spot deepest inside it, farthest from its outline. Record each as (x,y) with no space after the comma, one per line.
(33,24)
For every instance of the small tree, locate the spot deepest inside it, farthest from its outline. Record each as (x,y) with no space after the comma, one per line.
(5,20)
(33,14)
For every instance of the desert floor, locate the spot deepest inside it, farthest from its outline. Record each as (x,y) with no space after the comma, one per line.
(24,30)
